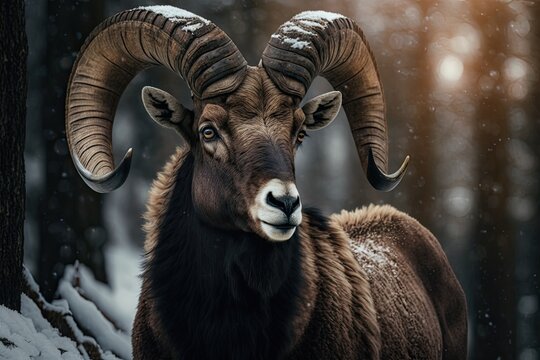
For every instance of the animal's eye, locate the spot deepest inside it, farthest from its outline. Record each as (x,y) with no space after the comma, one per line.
(208,133)
(301,136)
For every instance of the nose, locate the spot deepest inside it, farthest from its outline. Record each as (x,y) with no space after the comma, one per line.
(286,203)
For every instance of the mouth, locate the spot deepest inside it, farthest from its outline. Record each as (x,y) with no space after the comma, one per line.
(282,227)
(278,232)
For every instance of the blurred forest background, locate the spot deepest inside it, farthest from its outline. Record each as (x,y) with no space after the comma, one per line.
(461,83)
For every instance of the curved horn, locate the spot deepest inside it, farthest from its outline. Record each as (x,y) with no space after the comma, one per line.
(321,43)
(116,51)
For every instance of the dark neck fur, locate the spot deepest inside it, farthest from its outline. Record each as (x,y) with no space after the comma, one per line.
(222,294)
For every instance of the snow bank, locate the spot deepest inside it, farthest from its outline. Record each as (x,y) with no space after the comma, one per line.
(118,300)
(123,267)
(29,336)
(106,312)
(45,331)
(91,319)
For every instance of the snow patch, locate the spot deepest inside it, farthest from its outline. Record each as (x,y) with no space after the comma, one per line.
(33,333)
(312,19)
(19,339)
(62,309)
(318,16)
(28,335)
(119,301)
(294,43)
(90,318)
(375,258)
(174,14)
(124,269)
(30,280)
(311,23)
(30,310)
(193,27)
(289,27)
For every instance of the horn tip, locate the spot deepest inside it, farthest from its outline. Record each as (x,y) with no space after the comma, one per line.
(379,179)
(107,182)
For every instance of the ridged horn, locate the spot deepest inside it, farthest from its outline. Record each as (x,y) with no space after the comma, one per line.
(316,43)
(114,53)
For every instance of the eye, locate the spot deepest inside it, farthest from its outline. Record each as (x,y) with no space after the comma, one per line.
(208,133)
(301,136)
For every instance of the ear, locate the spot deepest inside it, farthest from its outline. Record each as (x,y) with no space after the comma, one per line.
(167,111)
(322,110)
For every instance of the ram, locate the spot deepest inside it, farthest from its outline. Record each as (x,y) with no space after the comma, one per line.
(235,268)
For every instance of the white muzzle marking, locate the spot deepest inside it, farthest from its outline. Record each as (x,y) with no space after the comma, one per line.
(275,224)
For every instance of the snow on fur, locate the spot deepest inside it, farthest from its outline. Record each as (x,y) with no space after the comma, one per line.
(378,258)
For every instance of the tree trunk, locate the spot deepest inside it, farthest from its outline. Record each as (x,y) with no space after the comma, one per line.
(71,222)
(495,302)
(13,52)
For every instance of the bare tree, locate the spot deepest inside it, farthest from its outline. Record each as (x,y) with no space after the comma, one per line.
(13,53)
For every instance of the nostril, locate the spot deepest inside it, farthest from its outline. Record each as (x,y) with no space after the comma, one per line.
(272,201)
(287,204)
(296,203)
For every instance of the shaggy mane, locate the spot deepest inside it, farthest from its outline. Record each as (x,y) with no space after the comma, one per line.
(159,196)
(365,219)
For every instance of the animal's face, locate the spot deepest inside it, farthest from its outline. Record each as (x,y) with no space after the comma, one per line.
(244,148)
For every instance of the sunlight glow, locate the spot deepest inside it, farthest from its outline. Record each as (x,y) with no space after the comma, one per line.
(466,41)
(460,44)
(518,89)
(451,68)
(515,68)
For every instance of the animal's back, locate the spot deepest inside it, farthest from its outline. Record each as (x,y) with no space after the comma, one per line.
(420,304)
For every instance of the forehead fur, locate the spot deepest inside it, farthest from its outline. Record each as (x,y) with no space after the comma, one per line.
(258,96)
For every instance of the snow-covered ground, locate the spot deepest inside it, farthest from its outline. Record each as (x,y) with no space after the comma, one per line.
(96,319)
(123,267)
(27,335)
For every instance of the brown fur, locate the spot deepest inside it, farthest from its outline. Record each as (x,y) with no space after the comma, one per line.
(158,198)
(416,294)
(393,296)
(148,338)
